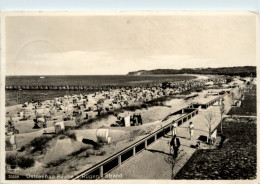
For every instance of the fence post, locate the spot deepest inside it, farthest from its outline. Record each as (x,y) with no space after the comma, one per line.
(145,143)
(119,160)
(134,151)
(101,173)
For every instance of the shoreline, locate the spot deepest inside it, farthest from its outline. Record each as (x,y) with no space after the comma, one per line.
(89,91)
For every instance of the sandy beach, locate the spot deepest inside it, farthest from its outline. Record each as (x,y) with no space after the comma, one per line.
(121,137)
(55,155)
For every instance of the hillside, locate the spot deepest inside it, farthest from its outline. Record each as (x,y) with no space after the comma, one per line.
(241,70)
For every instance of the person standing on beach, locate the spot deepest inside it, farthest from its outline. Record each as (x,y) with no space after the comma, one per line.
(191,130)
(174,128)
(175,143)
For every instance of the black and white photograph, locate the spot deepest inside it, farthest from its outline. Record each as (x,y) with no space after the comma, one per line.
(129,95)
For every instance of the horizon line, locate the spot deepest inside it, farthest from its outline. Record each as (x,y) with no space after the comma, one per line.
(136,71)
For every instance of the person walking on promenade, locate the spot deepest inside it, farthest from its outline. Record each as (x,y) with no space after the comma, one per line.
(174,128)
(175,143)
(191,130)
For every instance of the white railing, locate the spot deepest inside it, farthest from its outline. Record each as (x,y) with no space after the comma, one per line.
(102,168)
(99,170)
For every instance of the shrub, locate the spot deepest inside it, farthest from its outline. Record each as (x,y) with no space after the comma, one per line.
(71,135)
(97,146)
(131,108)
(198,89)
(158,101)
(11,159)
(62,137)
(22,149)
(39,143)
(56,162)
(25,162)
(78,152)
(103,153)
(144,106)
(21,161)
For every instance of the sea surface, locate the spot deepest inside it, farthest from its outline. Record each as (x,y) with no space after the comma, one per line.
(90,80)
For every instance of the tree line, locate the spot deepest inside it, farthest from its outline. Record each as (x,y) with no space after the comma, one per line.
(243,71)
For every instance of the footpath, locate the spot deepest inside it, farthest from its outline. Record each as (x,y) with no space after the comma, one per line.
(153,163)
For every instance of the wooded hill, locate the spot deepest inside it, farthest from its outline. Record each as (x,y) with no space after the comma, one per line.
(243,71)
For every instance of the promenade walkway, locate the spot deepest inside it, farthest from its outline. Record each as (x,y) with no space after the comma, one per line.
(152,162)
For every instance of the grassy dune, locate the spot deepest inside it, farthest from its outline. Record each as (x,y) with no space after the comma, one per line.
(236,159)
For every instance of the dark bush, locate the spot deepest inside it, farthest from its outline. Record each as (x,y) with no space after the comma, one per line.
(87,155)
(22,149)
(11,159)
(56,162)
(71,135)
(62,137)
(199,90)
(158,101)
(21,161)
(103,153)
(25,162)
(78,152)
(144,106)
(39,143)
(97,146)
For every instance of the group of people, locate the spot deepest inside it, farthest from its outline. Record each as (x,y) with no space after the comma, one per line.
(135,120)
(175,141)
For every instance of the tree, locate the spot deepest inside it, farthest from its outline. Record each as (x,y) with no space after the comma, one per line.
(232,98)
(169,159)
(222,112)
(231,102)
(210,120)
(239,91)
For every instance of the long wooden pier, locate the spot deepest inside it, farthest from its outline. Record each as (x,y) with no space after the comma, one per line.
(74,87)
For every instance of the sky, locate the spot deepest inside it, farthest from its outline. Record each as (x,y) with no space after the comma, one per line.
(116,44)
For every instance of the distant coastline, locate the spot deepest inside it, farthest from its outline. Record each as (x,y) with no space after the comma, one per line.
(243,71)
